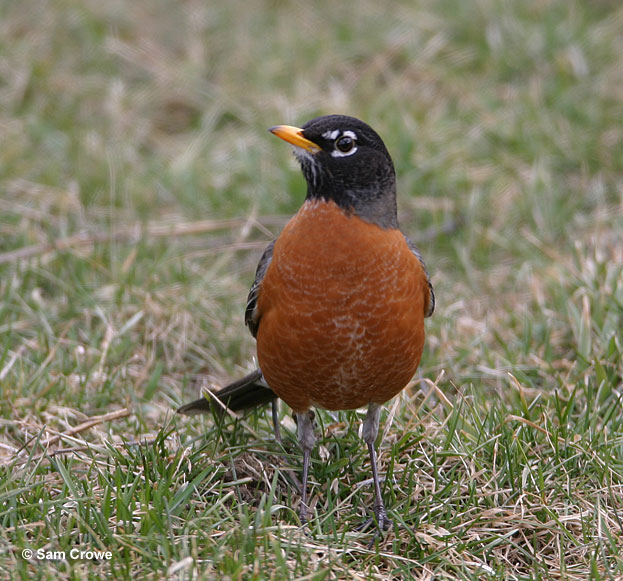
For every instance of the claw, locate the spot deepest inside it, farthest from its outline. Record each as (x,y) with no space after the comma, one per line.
(303,513)
(383,522)
(380,520)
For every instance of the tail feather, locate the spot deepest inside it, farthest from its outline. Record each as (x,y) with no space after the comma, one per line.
(247,392)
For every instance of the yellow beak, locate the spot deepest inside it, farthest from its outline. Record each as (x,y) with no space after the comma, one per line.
(294,135)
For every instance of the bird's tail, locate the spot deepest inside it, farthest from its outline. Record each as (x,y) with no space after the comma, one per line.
(249,392)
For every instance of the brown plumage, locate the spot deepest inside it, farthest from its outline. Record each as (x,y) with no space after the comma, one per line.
(342,325)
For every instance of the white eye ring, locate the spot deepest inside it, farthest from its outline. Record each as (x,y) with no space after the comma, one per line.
(345,145)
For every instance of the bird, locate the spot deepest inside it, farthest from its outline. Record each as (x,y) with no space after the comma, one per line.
(339,299)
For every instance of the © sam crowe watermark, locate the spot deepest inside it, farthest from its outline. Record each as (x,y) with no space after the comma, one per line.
(75,554)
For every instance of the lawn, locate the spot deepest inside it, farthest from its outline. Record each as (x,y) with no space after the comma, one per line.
(138,187)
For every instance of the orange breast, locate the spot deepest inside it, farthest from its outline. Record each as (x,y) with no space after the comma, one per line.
(342,311)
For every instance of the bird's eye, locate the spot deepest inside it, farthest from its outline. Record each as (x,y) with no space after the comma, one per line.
(345,143)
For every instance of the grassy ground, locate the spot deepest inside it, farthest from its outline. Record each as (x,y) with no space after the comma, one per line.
(138,186)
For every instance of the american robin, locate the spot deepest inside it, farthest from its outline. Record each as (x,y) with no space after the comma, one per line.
(339,298)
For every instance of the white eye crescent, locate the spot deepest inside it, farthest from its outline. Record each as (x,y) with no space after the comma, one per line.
(331,134)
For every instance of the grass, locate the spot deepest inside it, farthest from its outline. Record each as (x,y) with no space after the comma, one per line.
(138,186)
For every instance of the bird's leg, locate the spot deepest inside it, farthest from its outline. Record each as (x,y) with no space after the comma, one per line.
(275,409)
(370,432)
(307,439)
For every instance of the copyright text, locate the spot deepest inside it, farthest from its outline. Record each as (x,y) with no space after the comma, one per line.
(75,554)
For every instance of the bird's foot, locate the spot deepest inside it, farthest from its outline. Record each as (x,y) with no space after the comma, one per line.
(380,519)
(382,522)
(303,514)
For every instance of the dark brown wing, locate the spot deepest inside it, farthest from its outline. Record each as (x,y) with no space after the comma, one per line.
(251,315)
(430,304)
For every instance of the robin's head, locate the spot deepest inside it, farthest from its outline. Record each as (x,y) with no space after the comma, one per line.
(344,160)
